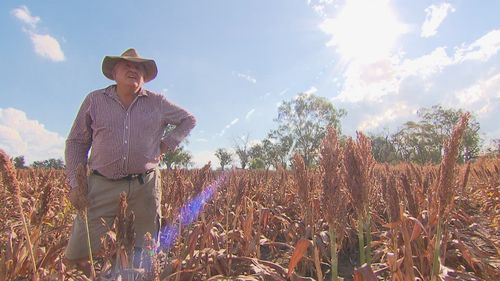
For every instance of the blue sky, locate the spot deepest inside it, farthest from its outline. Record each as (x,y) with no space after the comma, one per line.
(232,62)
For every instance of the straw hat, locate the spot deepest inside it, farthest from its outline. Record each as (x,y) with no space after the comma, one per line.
(131,54)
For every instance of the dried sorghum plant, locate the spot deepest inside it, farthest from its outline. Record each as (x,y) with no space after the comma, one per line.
(359,163)
(333,196)
(10,181)
(445,187)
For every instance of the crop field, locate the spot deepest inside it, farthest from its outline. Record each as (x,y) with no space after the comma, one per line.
(348,217)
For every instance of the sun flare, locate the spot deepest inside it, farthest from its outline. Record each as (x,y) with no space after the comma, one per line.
(364,30)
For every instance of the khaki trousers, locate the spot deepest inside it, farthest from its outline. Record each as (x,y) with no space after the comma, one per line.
(104,197)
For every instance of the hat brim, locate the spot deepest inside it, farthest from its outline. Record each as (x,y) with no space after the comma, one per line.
(109,62)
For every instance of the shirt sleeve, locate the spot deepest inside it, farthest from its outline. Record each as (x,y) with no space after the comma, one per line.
(183,121)
(78,142)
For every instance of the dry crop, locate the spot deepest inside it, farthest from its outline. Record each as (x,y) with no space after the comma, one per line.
(349,217)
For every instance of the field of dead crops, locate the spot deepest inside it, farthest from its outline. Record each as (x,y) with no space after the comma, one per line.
(348,217)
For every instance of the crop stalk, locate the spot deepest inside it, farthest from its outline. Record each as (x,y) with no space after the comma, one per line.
(437,245)
(333,252)
(361,240)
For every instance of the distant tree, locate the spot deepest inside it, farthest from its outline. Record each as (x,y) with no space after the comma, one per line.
(225,157)
(422,141)
(444,120)
(19,162)
(259,157)
(493,149)
(178,158)
(278,149)
(49,164)
(302,125)
(416,142)
(242,150)
(257,164)
(496,146)
(383,150)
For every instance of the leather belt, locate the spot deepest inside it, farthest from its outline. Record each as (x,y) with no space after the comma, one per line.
(128,177)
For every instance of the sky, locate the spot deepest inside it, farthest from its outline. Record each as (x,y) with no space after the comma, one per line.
(231,63)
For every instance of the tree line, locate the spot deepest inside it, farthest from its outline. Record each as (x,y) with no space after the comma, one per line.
(52,163)
(302,124)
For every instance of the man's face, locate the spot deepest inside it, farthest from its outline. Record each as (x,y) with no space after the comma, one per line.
(129,73)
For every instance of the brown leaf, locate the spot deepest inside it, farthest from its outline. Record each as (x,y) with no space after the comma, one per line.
(264,217)
(192,239)
(248,223)
(298,253)
(364,273)
(418,228)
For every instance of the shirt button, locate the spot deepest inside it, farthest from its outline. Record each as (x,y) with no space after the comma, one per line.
(125,141)
(126,127)
(124,158)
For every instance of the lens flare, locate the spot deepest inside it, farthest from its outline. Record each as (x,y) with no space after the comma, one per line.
(189,213)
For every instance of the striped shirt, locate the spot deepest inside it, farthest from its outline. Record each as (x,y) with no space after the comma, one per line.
(123,141)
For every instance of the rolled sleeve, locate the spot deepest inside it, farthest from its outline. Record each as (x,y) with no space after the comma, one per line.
(79,141)
(183,121)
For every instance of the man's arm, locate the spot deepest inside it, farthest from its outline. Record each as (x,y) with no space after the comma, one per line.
(78,142)
(184,122)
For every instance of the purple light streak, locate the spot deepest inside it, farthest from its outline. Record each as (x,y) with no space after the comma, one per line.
(189,213)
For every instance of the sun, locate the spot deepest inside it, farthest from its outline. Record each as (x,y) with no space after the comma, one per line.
(364,30)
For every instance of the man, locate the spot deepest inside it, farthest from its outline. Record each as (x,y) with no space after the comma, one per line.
(124,127)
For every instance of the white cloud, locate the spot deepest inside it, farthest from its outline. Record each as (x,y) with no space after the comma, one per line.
(249,113)
(265,96)
(435,16)
(369,82)
(247,78)
(235,120)
(481,96)
(311,91)
(45,45)
(22,136)
(482,49)
(23,14)
(386,93)
(283,92)
(320,6)
(392,113)
(201,140)
(427,65)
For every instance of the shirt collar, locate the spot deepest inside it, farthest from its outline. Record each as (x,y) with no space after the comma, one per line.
(111,91)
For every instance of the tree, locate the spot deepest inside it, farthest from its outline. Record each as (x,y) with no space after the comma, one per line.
(383,150)
(303,122)
(49,164)
(242,150)
(225,157)
(257,164)
(443,121)
(416,142)
(177,158)
(19,162)
(278,150)
(493,149)
(422,141)
(259,156)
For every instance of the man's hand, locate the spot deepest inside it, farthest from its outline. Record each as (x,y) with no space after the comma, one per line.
(78,200)
(78,196)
